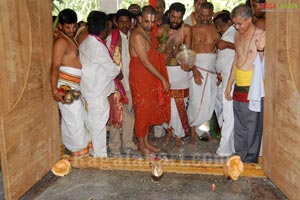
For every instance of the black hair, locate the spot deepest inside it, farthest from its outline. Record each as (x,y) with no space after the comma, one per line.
(179,7)
(54,18)
(67,16)
(81,23)
(110,16)
(224,16)
(96,22)
(123,12)
(135,12)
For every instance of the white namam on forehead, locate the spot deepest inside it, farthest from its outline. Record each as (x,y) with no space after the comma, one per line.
(149,17)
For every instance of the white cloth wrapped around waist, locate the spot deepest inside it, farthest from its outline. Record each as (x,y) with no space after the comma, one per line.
(69,76)
(206,62)
(179,79)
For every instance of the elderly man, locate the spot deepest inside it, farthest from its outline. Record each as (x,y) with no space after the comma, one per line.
(247,73)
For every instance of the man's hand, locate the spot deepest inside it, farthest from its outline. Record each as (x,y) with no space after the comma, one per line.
(227,93)
(185,67)
(166,85)
(219,79)
(58,96)
(197,76)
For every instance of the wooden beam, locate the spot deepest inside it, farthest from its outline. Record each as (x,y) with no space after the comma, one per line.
(169,166)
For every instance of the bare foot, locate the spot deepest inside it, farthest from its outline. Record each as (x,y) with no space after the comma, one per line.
(146,152)
(153,148)
(167,137)
(193,139)
(178,142)
(155,140)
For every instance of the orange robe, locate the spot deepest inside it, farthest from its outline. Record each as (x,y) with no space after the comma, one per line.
(150,107)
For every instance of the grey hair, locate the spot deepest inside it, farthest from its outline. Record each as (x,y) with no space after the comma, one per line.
(243,11)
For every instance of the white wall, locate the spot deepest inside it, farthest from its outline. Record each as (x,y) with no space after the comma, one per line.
(109,6)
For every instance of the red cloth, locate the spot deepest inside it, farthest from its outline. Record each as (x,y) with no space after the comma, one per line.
(145,96)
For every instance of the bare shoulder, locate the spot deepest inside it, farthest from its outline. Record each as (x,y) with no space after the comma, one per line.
(260,33)
(134,35)
(187,28)
(196,27)
(135,38)
(260,23)
(60,41)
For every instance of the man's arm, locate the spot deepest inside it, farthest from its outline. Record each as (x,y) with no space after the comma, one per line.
(59,50)
(221,44)
(260,44)
(188,41)
(188,35)
(138,43)
(230,82)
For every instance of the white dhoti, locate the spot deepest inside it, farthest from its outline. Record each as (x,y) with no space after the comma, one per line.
(96,118)
(179,80)
(74,133)
(203,97)
(226,147)
(219,104)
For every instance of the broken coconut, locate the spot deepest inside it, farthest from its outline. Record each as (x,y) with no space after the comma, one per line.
(61,168)
(156,170)
(233,167)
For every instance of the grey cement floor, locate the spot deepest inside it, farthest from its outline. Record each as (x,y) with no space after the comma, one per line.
(118,185)
(109,185)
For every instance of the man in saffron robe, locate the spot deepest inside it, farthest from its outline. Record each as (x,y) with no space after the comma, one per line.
(148,81)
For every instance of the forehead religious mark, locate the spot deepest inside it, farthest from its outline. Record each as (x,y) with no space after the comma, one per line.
(150,17)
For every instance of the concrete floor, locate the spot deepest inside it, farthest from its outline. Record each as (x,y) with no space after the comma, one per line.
(91,184)
(118,185)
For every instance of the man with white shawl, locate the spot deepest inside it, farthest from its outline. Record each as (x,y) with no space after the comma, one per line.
(247,74)
(98,73)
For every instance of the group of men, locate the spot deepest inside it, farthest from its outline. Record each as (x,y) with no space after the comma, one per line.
(133,81)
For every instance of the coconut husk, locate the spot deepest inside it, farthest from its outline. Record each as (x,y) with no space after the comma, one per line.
(233,167)
(61,168)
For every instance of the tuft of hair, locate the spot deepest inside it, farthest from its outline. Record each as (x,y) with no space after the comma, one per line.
(67,16)
(96,22)
(178,7)
(243,11)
